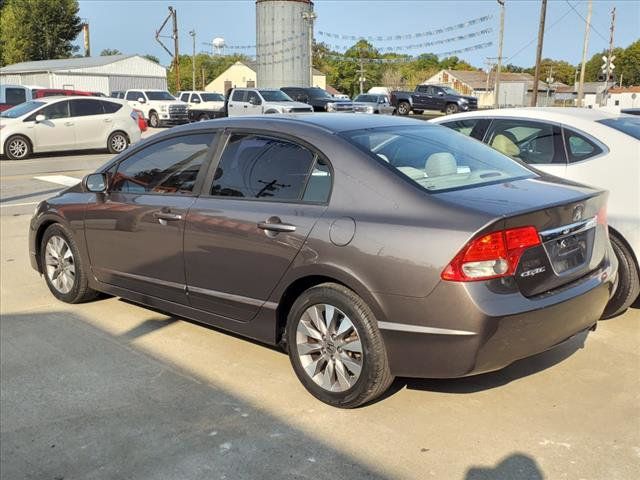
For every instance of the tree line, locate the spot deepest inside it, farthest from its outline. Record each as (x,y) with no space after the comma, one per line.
(46,29)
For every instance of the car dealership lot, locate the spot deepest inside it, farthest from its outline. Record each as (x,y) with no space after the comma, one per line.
(112,390)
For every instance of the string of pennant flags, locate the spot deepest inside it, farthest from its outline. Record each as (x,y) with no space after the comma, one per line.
(407,36)
(403,59)
(382,38)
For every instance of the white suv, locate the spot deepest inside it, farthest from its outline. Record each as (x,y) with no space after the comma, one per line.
(67,123)
(253,101)
(159,107)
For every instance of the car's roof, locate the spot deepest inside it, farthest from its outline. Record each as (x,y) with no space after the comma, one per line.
(560,114)
(55,98)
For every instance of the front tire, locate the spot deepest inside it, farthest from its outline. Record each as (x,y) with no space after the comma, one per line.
(403,108)
(154,121)
(628,281)
(117,142)
(62,266)
(203,117)
(17,147)
(335,347)
(451,108)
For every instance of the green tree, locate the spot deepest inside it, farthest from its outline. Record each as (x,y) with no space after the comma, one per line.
(560,70)
(628,65)
(110,51)
(38,29)
(153,58)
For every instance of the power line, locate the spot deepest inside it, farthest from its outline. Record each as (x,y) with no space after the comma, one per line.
(585,21)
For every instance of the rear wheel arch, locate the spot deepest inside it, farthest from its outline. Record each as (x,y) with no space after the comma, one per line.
(620,237)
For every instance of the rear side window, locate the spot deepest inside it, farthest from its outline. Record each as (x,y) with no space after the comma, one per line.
(238,95)
(15,96)
(532,142)
(579,147)
(85,108)
(111,107)
(462,126)
(261,167)
(167,167)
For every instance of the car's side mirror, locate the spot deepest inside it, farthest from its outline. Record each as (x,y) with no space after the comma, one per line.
(195,100)
(40,118)
(441,93)
(141,100)
(95,182)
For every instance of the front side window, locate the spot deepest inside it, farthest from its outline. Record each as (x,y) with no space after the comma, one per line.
(184,97)
(134,96)
(56,110)
(160,96)
(254,166)
(275,96)
(167,167)
(437,159)
(212,97)
(15,96)
(195,97)
(85,108)
(238,95)
(22,109)
(253,98)
(532,142)
(579,147)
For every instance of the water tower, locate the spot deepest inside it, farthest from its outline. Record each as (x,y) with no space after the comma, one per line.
(284,32)
(218,46)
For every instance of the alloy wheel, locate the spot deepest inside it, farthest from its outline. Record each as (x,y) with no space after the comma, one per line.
(118,142)
(329,348)
(60,264)
(18,148)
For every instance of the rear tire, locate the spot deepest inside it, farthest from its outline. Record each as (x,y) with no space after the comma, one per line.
(341,362)
(451,108)
(404,108)
(628,280)
(64,272)
(17,147)
(154,121)
(203,117)
(117,142)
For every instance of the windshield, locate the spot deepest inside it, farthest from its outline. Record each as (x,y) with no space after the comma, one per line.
(317,92)
(275,96)
(628,125)
(22,109)
(367,98)
(437,158)
(450,91)
(212,97)
(159,96)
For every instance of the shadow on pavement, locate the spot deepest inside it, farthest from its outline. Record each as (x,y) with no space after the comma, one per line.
(517,466)
(77,402)
(29,195)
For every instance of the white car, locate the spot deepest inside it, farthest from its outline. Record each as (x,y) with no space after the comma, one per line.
(67,123)
(593,147)
(253,101)
(159,107)
(203,105)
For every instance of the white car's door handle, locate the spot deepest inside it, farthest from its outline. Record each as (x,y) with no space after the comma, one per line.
(108,120)
(68,124)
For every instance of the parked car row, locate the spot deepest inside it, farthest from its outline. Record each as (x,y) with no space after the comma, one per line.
(366,246)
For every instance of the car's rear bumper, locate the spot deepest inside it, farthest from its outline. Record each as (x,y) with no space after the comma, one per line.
(472,329)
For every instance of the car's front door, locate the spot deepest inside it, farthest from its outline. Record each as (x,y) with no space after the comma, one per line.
(237,103)
(91,122)
(57,131)
(420,98)
(436,97)
(134,232)
(263,200)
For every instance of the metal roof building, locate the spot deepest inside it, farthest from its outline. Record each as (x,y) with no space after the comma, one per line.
(94,74)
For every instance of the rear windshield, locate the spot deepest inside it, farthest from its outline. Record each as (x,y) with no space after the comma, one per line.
(21,109)
(437,158)
(628,125)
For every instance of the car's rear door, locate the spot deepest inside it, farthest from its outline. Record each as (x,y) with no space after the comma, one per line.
(243,232)
(91,123)
(134,232)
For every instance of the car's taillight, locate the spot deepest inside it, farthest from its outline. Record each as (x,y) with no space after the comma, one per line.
(492,255)
(601,217)
(134,115)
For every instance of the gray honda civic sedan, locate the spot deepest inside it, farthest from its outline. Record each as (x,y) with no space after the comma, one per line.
(367,247)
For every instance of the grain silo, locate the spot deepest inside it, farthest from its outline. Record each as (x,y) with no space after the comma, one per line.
(284,29)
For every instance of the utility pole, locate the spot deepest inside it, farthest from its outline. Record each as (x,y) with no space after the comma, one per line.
(603,99)
(192,33)
(310,16)
(175,54)
(496,89)
(585,47)
(87,42)
(361,74)
(536,76)
(203,85)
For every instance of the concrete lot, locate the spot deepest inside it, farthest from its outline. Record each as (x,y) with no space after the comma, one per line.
(110,390)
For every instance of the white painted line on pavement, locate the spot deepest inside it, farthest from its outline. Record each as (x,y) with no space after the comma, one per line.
(59,179)
(18,204)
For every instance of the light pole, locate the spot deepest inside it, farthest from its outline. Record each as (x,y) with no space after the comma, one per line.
(193,60)
(496,90)
(310,16)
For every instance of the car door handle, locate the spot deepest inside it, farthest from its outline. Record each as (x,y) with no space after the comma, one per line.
(68,124)
(245,106)
(276,226)
(108,120)
(167,216)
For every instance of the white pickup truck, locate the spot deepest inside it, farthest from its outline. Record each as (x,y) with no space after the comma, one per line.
(203,105)
(254,101)
(159,107)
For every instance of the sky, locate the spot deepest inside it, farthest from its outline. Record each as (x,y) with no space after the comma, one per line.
(130,26)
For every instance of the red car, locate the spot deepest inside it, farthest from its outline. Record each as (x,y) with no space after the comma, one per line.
(52,92)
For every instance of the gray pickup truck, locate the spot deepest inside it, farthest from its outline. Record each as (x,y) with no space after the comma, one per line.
(432,97)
